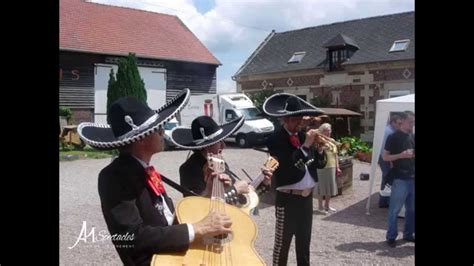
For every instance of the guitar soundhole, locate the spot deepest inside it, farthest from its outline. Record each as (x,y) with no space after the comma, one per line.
(242,200)
(218,239)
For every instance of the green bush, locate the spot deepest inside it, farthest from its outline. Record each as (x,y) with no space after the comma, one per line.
(66,112)
(321,101)
(351,145)
(127,82)
(259,97)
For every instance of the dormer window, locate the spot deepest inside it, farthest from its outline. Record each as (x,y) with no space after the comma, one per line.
(337,57)
(340,49)
(399,46)
(297,57)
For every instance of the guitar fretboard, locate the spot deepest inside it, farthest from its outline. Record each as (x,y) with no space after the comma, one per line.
(256,181)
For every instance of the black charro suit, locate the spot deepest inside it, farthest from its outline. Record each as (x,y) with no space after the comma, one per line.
(293,212)
(130,207)
(192,177)
(288,173)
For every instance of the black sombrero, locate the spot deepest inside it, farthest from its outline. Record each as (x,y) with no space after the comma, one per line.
(286,104)
(204,132)
(130,120)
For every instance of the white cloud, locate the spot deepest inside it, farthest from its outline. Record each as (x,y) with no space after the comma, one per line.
(226,85)
(230,27)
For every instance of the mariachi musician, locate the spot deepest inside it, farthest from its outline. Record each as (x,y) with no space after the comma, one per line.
(133,199)
(296,175)
(206,136)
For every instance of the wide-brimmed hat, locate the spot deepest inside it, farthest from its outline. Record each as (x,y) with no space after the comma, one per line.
(286,104)
(130,120)
(204,132)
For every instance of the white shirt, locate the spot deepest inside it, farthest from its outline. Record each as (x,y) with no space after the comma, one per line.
(307,181)
(166,210)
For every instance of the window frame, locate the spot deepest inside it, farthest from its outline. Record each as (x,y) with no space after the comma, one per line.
(293,60)
(397,42)
(230,111)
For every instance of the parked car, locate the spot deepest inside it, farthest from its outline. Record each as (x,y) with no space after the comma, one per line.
(169,145)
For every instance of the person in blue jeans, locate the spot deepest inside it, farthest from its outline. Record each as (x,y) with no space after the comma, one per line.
(385,166)
(400,150)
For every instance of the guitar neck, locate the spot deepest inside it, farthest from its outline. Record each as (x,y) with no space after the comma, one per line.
(217,165)
(217,193)
(256,181)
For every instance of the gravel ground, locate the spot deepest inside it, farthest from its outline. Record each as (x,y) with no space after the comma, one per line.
(348,236)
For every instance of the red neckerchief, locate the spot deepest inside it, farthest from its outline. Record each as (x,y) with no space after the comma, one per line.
(295,141)
(154,180)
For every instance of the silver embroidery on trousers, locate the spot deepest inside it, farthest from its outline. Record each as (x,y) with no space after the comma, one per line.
(280,218)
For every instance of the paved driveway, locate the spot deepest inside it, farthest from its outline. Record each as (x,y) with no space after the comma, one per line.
(348,236)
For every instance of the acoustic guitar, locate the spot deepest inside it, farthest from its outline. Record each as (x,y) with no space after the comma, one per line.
(251,199)
(236,248)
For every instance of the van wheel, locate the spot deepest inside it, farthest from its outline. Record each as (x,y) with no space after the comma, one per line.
(242,141)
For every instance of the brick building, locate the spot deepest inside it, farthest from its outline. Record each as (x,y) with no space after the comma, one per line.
(352,63)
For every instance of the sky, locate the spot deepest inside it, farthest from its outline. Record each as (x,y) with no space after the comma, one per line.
(232,29)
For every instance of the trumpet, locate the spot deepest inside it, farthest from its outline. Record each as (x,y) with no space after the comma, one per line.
(325,141)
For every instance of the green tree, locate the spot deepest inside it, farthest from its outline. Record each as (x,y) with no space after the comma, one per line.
(65,112)
(112,92)
(259,97)
(128,82)
(321,101)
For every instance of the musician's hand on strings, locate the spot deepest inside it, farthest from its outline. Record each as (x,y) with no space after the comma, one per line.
(226,179)
(213,224)
(241,186)
(209,178)
(268,176)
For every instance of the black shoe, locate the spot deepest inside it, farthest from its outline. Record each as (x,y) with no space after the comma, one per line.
(391,243)
(409,239)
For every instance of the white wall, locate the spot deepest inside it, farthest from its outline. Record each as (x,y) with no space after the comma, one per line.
(155,85)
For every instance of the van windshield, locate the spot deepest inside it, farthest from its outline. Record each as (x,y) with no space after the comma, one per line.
(251,113)
(170,125)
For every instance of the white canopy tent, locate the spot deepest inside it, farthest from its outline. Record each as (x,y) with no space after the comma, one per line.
(384,107)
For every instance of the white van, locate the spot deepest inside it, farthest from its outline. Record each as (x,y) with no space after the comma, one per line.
(167,134)
(226,107)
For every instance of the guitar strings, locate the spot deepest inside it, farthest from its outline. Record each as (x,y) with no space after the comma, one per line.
(226,247)
(209,245)
(217,204)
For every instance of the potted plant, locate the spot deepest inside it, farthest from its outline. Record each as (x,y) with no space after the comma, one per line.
(354,146)
(364,153)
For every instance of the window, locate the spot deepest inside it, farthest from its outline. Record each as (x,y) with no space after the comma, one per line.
(230,115)
(337,57)
(399,46)
(343,55)
(297,57)
(251,113)
(334,57)
(170,125)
